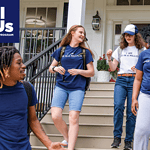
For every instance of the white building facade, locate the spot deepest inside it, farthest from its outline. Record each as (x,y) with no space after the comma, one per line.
(115,15)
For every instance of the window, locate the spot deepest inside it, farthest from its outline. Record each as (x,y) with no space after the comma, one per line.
(40,17)
(117,35)
(122,2)
(133,2)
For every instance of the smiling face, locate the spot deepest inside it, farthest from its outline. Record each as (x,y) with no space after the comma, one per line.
(78,35)
(17,68)
(130,39)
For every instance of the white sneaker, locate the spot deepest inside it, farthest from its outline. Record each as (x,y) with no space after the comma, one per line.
(65,142)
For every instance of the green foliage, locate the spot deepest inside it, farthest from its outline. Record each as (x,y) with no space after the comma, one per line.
(102,64)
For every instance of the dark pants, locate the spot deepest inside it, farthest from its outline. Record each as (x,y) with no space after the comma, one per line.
(123,89)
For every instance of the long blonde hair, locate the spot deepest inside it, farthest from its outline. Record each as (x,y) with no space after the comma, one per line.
(68,37)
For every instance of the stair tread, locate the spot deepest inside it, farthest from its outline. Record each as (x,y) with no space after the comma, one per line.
(84,124)
(43,147)
(90,114)
(83,136)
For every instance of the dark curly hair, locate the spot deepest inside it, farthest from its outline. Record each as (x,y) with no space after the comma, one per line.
(6,57)
(139,42)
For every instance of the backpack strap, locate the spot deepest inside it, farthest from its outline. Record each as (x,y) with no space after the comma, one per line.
(84,58)
(28,89)
(61,53)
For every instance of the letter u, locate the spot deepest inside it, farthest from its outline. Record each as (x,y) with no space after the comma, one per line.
(2,23)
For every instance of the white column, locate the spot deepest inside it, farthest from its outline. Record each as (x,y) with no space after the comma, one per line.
(109,31)
(124,24)
(76,13)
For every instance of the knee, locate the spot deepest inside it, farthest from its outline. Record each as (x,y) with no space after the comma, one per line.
(56,117)
(73,119)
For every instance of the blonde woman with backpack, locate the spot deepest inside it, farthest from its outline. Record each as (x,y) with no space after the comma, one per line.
(127,55)
(71,82)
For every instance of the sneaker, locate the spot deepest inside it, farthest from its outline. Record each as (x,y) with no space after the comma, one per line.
(65,142)
(116,143)
(127,145)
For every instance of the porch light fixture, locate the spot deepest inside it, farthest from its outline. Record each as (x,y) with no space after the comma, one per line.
(96,21)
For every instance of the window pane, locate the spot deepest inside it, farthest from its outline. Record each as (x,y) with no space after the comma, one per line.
(122,2)
(136,2)
(41,18)
(118,29)
(117,35)
(30,17)
(51,17)
(146,2)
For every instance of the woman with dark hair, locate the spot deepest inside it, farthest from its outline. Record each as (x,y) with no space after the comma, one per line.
(71,82)
(127,55)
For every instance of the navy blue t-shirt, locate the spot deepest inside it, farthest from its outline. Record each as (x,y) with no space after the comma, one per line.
(13,117)
(72,59)
(143,64)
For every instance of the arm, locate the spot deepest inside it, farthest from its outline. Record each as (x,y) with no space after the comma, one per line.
(39,132)
(136,89)
(112,64)
(86,73)
(58,69)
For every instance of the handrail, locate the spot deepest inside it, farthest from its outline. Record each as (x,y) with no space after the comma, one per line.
(44,81)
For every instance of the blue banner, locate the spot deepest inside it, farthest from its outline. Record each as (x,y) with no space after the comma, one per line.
(9,21)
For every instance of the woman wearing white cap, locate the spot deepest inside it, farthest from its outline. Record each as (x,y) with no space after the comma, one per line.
(127,55)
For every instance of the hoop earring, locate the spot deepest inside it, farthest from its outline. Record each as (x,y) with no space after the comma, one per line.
(2,75)
(6,72)
(1,84)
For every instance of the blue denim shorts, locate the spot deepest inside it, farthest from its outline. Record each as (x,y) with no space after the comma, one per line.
(61,96)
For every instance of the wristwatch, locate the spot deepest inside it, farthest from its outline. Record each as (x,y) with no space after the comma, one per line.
(53,68)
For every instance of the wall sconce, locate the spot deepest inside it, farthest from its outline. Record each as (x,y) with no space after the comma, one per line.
(96,21)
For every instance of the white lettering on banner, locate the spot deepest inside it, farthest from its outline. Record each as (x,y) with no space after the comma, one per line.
(8,26)
(2,12)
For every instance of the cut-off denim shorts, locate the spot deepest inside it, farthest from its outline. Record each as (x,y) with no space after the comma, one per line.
(61,96)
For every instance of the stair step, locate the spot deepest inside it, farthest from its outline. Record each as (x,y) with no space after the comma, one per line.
(84,129)
(100,92)
(83,141)
(44,148)
(98,99)
(87,118)
(102,85)
(94,108)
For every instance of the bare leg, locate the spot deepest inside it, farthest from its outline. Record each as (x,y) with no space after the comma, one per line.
(73,128)
(59,122)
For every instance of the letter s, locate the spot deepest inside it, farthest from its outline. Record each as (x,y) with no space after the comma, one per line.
(9,27)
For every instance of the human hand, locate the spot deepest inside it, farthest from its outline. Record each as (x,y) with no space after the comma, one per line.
(134,106)
(109,53)
(73,71)
(133,69)
(60,70)
(57,146)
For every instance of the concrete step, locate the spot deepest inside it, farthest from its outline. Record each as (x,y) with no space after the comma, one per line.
(84,129)
(102,85)
(86,118)
(100,92)
(44,148)
(95,108)
(109,100)
(83,141)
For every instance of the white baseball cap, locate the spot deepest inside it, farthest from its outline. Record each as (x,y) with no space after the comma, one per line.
(131,29)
